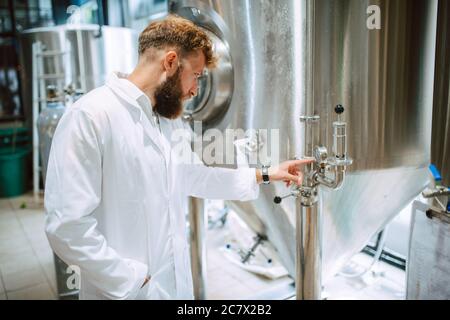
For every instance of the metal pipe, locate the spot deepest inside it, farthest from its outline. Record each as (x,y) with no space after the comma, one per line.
(36,49)
(336,183)
(81,62)
(309,252)
(100,17)
(436,192)
(198,246)
(308,222)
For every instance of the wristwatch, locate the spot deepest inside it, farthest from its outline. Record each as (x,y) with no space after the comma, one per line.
(265,174)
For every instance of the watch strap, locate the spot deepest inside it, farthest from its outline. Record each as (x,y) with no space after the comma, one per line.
(265,174)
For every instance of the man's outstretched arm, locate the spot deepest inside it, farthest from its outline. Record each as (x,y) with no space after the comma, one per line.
(237,184)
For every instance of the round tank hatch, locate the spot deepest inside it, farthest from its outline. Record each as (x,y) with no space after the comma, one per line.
(216,85)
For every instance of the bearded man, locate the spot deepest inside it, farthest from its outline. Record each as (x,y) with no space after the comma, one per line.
(115,189)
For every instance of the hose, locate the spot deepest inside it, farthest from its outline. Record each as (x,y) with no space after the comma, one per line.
(381,244)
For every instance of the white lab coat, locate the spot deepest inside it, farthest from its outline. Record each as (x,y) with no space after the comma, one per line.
(115,195)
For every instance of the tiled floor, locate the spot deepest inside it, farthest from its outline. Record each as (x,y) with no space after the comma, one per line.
(228,281)
(27,268)
(225,280)
(26,260)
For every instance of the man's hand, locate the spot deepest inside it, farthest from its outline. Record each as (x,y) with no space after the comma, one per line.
(288,171)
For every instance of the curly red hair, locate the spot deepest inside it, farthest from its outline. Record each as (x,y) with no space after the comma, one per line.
(180,33)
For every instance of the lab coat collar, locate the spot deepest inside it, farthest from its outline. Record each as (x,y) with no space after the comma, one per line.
(126,89)
(136,94)
(138,100)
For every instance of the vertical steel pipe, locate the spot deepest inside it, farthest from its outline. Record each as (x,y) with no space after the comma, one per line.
(198,246)
(309,252)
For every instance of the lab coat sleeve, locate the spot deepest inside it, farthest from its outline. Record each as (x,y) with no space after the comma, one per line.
(73,191)
(220,183)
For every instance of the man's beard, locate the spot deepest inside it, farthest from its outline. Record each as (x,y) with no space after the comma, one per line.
(168,97)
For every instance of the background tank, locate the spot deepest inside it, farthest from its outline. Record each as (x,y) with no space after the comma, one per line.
(92,53)
(286,64)
(46,123)
(440,146)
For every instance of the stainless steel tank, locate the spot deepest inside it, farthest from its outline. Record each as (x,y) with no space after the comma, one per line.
(440,146)
(46,123)
(84,55)
(297,57)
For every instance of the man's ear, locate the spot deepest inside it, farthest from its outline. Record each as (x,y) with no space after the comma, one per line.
(171,61)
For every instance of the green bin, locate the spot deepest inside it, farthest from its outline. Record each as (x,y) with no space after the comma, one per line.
(15,157)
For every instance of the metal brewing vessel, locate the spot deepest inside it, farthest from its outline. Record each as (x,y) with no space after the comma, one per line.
(46,123)
(292,58)
(82,56)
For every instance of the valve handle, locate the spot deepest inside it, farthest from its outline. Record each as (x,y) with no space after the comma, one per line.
(278,199)
(339,109)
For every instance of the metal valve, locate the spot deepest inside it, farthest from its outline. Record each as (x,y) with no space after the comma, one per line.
(294,193)
(436,192)
(337,162)
(321,156)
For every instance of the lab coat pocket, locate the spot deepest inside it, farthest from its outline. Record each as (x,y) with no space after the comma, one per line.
(156,292)
(143,292)
(152,291)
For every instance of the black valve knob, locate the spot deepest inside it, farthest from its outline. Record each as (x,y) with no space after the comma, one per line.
(339,109)
(277,200)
